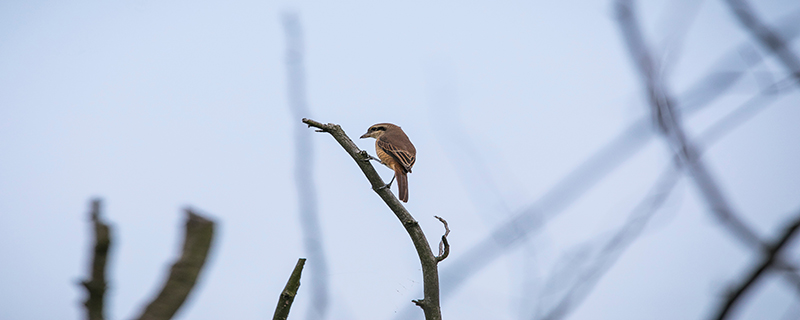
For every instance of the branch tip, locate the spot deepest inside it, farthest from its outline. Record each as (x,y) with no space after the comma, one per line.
(444,245)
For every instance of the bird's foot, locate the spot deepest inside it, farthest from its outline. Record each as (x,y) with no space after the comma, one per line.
(367,157)
(388,185)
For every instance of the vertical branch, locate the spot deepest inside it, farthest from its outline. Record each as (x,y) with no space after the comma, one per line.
(303,170)
(289,292)
(96,286)
(430,273)
(184,272)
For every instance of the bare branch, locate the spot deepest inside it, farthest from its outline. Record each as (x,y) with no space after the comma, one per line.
(766,36)
(184,272)
(430,273)
(444,246)
(96,286)
(289,292)
(770,257)
(303,169)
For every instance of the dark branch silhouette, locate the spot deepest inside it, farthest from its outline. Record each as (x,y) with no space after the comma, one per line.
(185,271)
(289,292)
(303,169)
(770,257)
(96,286)
(430,273)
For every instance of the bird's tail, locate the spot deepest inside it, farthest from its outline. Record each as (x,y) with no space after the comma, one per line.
(402,185)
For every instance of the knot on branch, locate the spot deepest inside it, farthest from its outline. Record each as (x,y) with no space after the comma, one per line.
(444,246)
(410,223)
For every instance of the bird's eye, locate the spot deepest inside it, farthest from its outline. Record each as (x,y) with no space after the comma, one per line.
(372,129)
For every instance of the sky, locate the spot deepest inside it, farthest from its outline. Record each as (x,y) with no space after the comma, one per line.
(155,106)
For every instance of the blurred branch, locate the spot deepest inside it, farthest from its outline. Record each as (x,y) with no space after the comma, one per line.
(303,169)
(770,257)
(430,273)
(588,173)
(669,123)
(612,249)
(184,272)
(289,292)
(96,286)
(766,36)
(631,230)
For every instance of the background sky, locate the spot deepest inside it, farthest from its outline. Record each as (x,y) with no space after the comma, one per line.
(154,106)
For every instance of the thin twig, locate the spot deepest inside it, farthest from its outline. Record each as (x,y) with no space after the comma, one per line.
(289,292)
(96,286)
(303,169)
(185,271)
(430,273)
(444,246)
(770,258)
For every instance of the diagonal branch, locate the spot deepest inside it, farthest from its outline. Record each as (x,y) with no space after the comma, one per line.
(96,286)
(184,272)
(766,36)
(430,273)
(771,256)
(289,292)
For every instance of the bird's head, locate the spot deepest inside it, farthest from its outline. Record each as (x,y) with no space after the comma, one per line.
(377,130)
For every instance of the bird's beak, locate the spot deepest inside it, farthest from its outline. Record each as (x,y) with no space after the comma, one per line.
(366,135)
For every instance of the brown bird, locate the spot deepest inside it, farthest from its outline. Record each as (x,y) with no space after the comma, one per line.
(395,151)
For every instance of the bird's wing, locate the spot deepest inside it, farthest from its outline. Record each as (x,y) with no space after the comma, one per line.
(402,156)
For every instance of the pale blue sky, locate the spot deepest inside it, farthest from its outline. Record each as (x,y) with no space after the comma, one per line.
(157,105)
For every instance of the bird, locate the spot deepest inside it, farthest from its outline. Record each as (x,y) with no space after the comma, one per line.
(395,151)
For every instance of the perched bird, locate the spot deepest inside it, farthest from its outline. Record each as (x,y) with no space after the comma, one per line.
(395,151)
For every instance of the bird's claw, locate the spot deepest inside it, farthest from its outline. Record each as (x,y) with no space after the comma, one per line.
(388,185)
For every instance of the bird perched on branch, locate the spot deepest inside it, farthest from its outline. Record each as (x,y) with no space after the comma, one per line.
(395,151)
